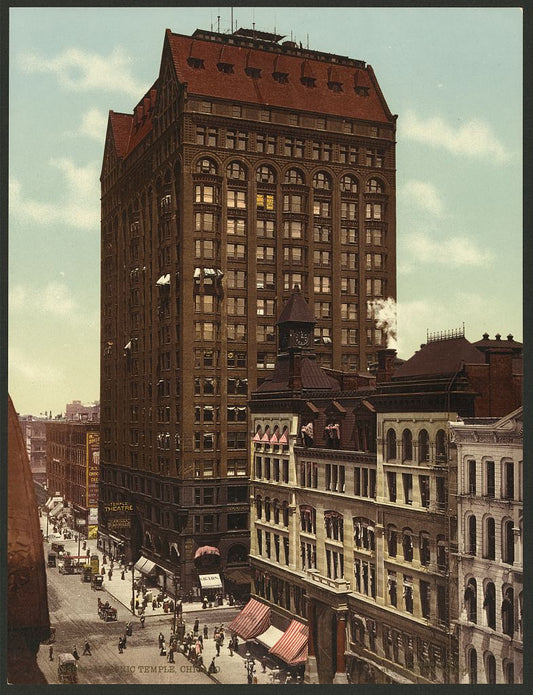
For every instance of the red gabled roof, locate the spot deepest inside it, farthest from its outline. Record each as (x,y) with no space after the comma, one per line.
(121,129)
(129,130)
(209,81)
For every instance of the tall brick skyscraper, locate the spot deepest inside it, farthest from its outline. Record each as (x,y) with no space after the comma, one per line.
(252,165)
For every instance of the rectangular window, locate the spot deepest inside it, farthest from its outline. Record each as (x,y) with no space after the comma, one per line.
(490,479)
(237,199)
(236,226)
(322,284)
(236,279)
(471,477)
(423,481)
(407,487)
(266,229)
(266,281)
(265,254)
(293,203)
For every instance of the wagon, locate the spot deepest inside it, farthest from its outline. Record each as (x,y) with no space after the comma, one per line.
(107,613)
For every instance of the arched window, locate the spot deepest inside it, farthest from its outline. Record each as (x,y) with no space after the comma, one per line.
(423,446)
(392,541)
(307,518)
(267,508)
(294,176)
(236,171)
(265,174)
(407,445)
(508,612)
(364,533)
(276,508)
(471,477)
(407,544)
(322,181)
(490,480)
(206,166)
(391,445)
(508,541)
(334,525)
(425,555)
(471,547)
(508,480)
(348,184)
(508,671)
(374,186)
(237,554)
(440,446)
(489,539)
(471,600)
(489,604)
(490,668)
(472,666)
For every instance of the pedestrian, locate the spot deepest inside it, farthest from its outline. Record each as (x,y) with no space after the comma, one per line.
(110,574)
(201,640)
(212,666)
(154,604)
(161,639)
(215,632)
(236,643)
(120,647)
(142,620)
(87,649)
(170,656)
(104,559)
(218,647)
(163,650)
(204,602)
(196,626)
(230,648)
(124,641)
(51,652)
(206,632)
(122,576)
(75,653)
(200,662)
(136,603)
(264,663)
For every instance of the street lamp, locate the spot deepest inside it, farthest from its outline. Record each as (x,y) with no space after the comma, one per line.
(181,625)
(132,566)
(249,665)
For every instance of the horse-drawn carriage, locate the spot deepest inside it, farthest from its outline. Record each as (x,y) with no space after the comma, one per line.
(106,612)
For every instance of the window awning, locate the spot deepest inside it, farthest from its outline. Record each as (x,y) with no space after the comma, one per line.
(163,280)
(292,646)
(145,566)
(270,637)
(206,549)
(210,581)
(253,620)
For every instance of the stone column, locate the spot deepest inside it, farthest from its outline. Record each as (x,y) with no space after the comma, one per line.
(311,670)
(340,672)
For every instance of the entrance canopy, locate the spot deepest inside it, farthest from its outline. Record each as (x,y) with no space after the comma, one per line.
(55,511)
(292,647)
(270,637)
(253,620)
(210,581)
(145,566)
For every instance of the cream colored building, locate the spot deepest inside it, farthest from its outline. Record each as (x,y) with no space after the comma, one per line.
(490,552)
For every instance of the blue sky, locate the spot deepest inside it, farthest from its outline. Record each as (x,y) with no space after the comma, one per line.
(453,76)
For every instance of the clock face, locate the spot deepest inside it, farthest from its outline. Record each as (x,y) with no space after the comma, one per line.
(301,338)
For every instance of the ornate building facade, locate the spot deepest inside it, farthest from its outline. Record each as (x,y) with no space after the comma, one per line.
(250,166)
(490,548)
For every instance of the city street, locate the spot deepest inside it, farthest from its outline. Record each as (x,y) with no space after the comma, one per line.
(73,607)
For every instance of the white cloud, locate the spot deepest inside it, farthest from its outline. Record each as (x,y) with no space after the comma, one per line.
(79,71)
(94,125)
(54,299)
(422,194)
(473,138)
(23,367)
(452,251)
(78,207)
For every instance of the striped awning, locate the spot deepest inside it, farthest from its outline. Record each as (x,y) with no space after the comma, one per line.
(270,637)
(253,620)
(292,646)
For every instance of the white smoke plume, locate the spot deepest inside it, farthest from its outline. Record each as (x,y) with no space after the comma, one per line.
(385,314)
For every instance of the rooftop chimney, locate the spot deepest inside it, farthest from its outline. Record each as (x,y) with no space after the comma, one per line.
(386,359)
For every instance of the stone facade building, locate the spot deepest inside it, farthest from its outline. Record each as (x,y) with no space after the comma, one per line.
(250,166)
(490,548)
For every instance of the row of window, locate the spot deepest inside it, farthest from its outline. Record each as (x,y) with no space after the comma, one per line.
(293,147)
(406,450)
(295,203)
(489,669)
(488,540)
(424,489)
(485,473)
(488,603)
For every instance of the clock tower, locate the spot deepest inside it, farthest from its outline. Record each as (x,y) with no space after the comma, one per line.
(295,325)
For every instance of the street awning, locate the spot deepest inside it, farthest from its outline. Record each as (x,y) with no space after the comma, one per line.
(145,566)
(253,620)
(292,647)
(269,638)
(52,501)
(55,511)
(210,581)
